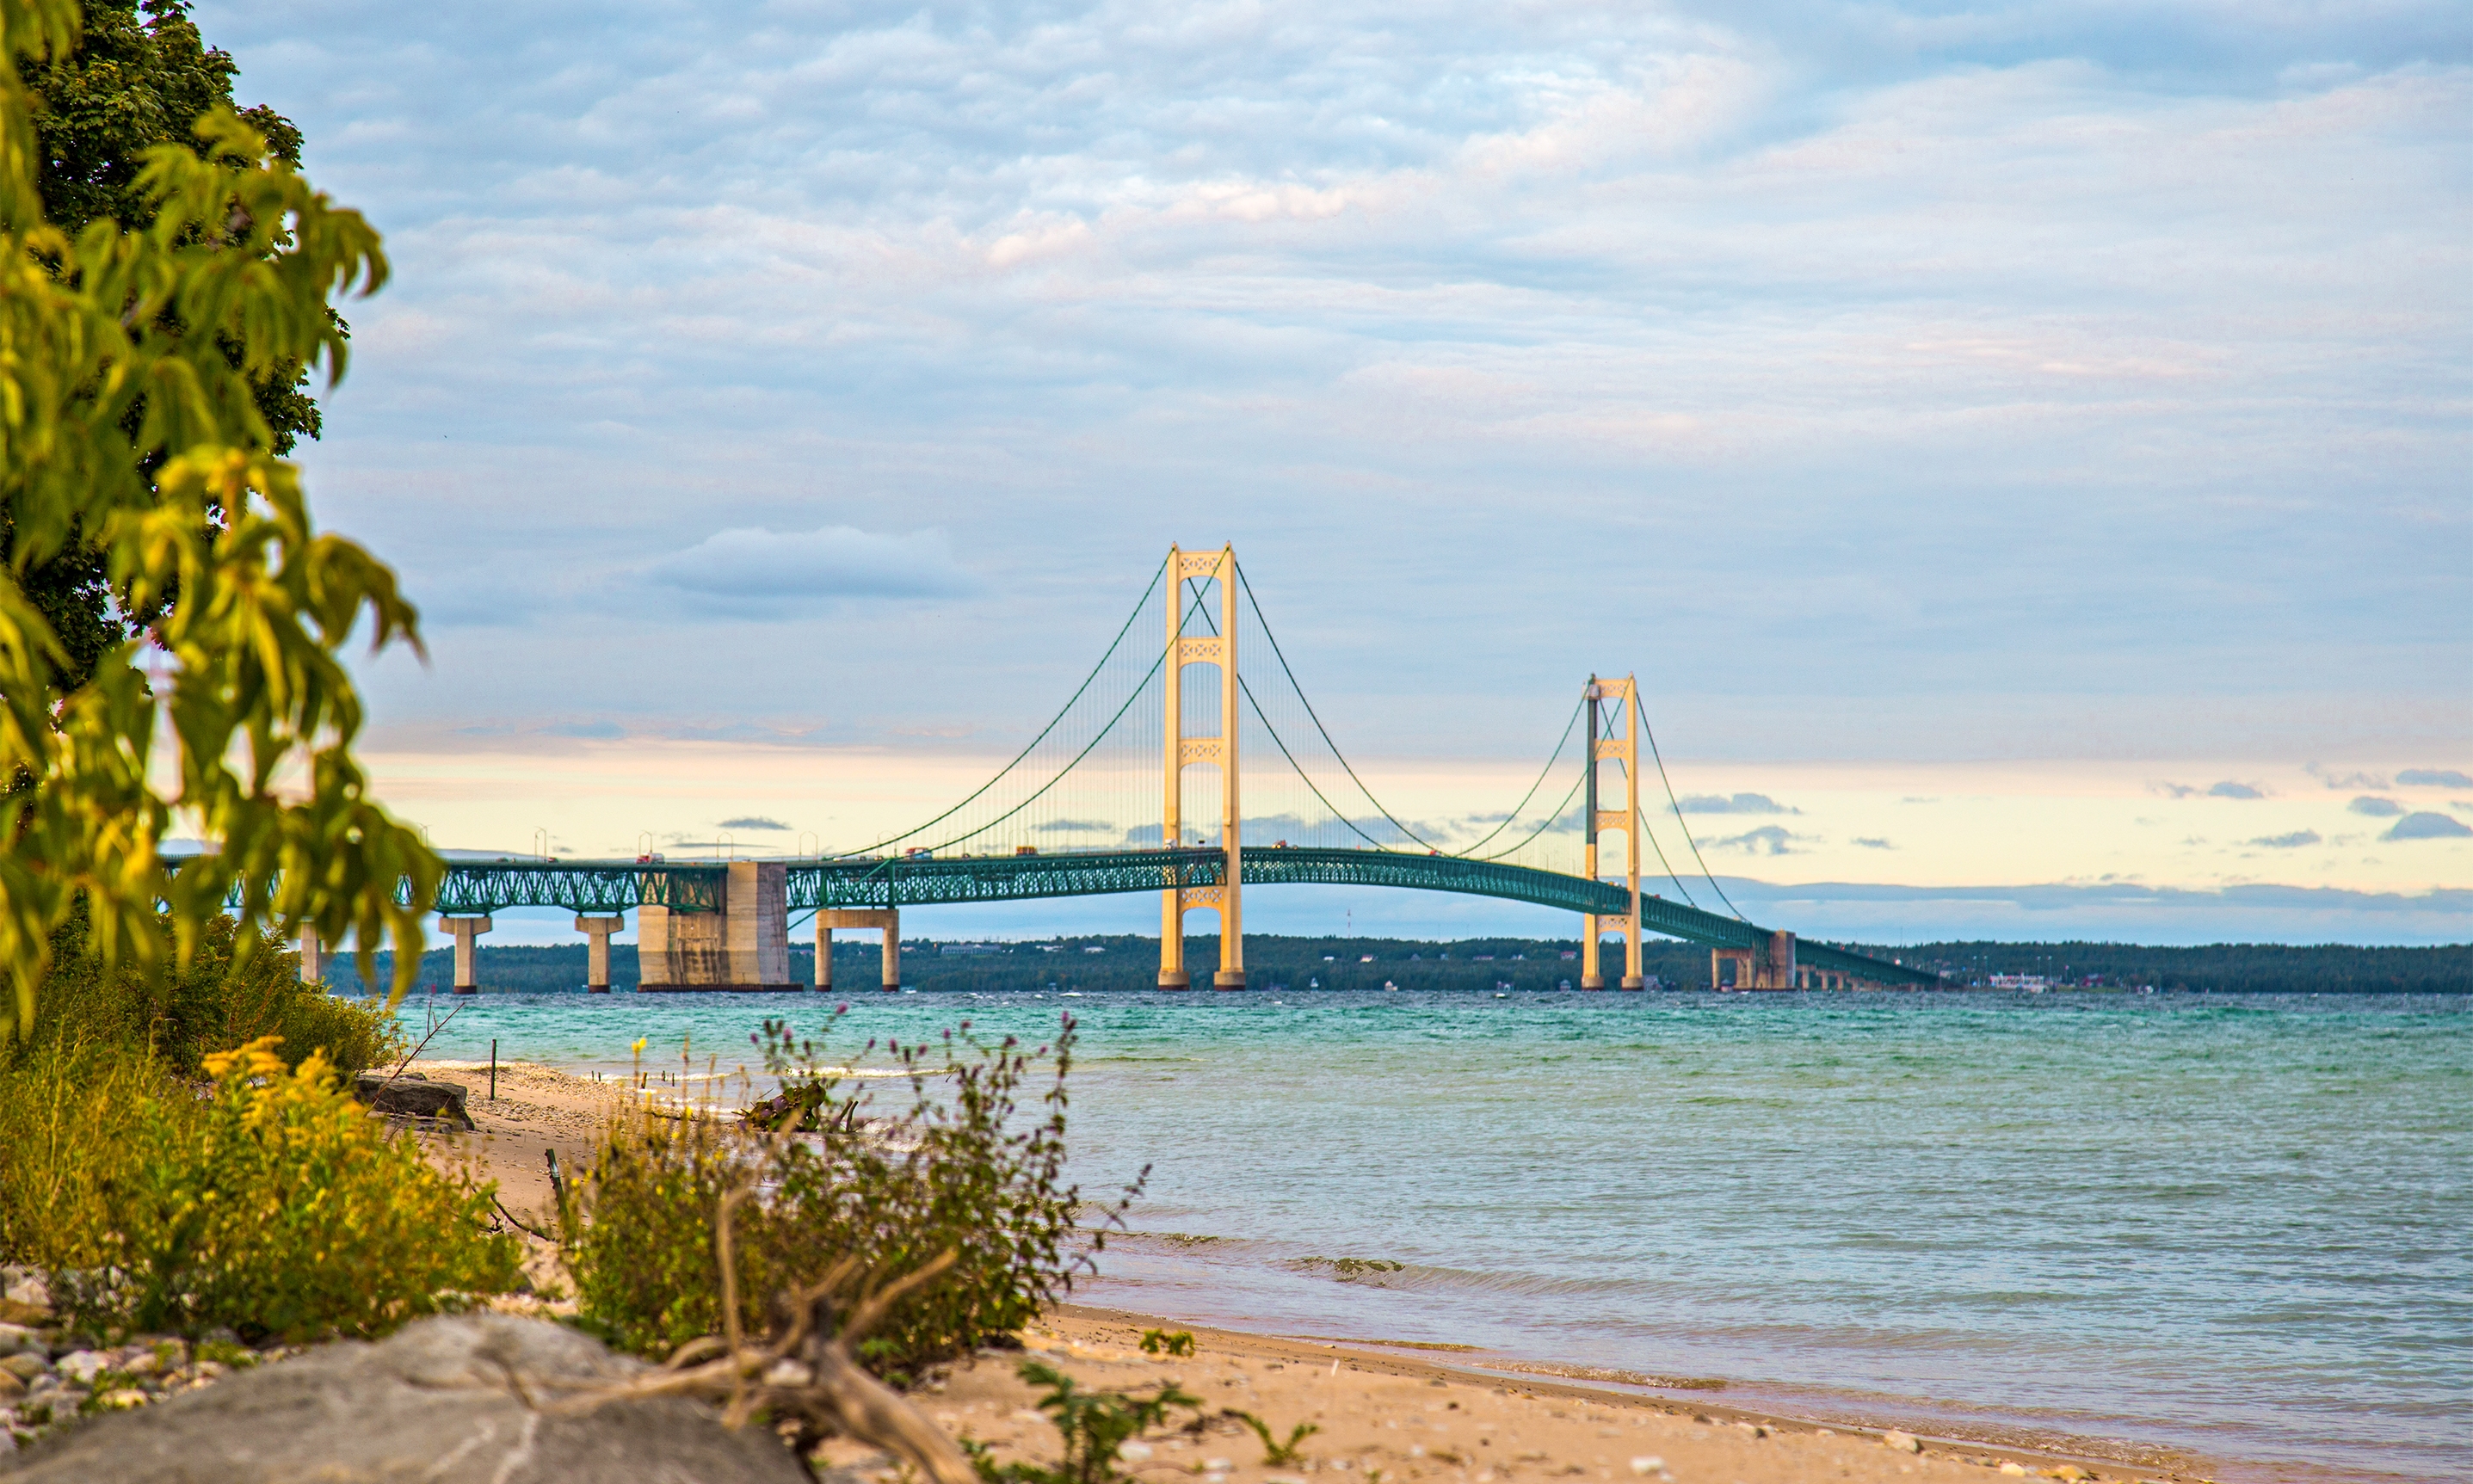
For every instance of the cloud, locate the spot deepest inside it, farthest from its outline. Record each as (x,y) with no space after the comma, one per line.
(1739,804)
(599,731)
(2334,780)
(2104,911)
(1768,840)
(1874,842)
(2433,777)
(1076,827)
(2232,790)
(2376,808)
(2291,842)
(2428,826)
(1042,278)
(751,822)
(751,566)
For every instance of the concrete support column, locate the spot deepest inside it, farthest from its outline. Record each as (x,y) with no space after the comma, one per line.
(464,929)
(741,943)
(1779,970)
(313,956)
(887,920)
(824,954)
(596,963)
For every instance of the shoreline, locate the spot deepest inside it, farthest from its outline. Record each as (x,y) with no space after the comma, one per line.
(541,1107)
(1522,1377)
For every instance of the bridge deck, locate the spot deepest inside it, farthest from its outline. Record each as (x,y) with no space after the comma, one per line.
(474,887)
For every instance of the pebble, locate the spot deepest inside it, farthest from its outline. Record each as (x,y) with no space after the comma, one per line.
(1646,1464)
(2014,1469)
(1903,1442)
(82,1364)
(1135,1452)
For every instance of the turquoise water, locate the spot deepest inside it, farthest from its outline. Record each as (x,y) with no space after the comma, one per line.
(2237,1226)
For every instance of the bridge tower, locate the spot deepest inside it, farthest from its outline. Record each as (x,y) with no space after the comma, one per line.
(1623,744)
(1183,752)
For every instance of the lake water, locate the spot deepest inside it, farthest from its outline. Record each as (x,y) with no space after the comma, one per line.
(2237,1226)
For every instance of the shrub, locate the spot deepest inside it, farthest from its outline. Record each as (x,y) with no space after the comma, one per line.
(889,1194)
(276,1206)
(220,998)
(1092,1427)
(70,1106)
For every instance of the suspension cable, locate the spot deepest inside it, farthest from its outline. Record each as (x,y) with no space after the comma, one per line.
(1278,741)
(1053,723)
(1552,759)
(1070,766)
(1282,743)
(1680,822)
(1310,715)
(1545,825)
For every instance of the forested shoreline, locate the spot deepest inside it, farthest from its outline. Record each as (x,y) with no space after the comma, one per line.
(1099,963)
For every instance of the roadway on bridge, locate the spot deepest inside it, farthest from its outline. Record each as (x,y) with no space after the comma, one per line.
(477,888)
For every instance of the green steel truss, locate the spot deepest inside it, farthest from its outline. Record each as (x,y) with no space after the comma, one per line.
(475,888)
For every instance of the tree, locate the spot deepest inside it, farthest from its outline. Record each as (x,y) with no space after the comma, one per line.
(131,85)
(131,431)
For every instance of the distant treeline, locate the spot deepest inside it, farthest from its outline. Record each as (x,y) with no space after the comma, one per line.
(1513,964)
(2222,968)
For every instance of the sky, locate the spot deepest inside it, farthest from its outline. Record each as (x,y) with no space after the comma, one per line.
(2022,446)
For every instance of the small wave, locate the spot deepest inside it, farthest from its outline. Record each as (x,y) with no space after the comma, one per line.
(1608,1373)
(1417,1277)
(1349,1270)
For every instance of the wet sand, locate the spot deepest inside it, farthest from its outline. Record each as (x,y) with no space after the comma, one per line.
(1385,1412)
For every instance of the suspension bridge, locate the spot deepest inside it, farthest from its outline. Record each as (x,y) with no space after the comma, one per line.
(1174,769)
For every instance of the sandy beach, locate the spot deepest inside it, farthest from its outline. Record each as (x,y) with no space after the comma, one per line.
(1394,1412)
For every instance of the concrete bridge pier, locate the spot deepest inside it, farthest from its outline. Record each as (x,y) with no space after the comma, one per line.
(1769,967)
(313,956)
(464,929)
(742,945)
(887,920)
(596,963)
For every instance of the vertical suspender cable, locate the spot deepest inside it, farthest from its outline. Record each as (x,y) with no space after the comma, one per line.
(1651,734)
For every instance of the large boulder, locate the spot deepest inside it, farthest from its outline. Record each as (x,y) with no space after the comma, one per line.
(462,1401)
(413,1094)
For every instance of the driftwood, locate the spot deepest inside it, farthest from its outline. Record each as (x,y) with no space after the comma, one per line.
(802,1372)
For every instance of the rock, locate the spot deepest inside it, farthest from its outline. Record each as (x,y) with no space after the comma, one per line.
(17,1337)
(25,1297)
(1647,1464)
(82,1364)
(123,1399)
(25,1365)
(1903,1443)
(442,1401)
(11,1386)
(414,1096)
(2014,1469)
(2068,1473)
